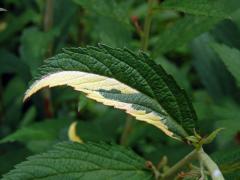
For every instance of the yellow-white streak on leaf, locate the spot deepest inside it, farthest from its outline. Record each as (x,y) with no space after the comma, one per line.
(72,133)
(79,81)
(151,118)
(90,84)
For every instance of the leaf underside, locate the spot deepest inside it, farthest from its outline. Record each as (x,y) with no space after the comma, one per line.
(82,161)
(125,80)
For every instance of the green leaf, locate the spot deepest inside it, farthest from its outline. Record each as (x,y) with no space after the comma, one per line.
(229,162)
(46,130)
(125,80)
(38,136)
(16,24)
(227,32)
(227,115)
(33,53)
(231,58)
(211,136)
(12,156)
(12,64)
(211,8)
(183,31)
(211,71)
(109,21)
(82,161)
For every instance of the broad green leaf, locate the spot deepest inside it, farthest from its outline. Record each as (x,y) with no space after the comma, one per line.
(11,156)
(108,21)
(39,136)
(125,80)
(227,32)
(12,64)
(183,31)
(109,118)
(16,24)
(210,69)
(212,8)
(82,161)
(46,130)
(180,74)
(34,47)
(227,115)
(231,58)
(12,100)
(229,162)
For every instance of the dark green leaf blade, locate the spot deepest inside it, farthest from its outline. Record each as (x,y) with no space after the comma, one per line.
(125,80)
(183,31)
(210,8)
(82,161)
(230,57)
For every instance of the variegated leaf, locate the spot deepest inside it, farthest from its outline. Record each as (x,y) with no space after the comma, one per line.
(124,80)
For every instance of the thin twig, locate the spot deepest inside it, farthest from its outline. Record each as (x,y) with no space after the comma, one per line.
(48,22)
(212,167)
(127,130)
(179,165)
(147,26)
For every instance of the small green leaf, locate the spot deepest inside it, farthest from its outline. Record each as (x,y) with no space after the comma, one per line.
(124,80)
(210,8)
(230,57)
(110,21)
(33,53)
(16,24)
(46,130)
(183,31)
(82,161)
(211,136)
(218,81)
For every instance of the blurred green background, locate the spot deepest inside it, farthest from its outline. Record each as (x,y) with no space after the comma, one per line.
(184,43)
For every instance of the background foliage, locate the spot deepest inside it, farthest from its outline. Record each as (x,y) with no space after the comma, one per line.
(198,42)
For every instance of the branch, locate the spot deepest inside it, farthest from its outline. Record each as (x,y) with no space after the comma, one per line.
(179,165)
(147,26)
(210,165)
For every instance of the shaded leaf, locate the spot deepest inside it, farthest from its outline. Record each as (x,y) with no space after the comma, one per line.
(17,24)
(211,70)
(231,58)
(211,8)
(183,31)
(47,130)
(109,21)
(34,47)
(82,161)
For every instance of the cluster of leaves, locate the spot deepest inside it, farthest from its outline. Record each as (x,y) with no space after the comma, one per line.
(194,42)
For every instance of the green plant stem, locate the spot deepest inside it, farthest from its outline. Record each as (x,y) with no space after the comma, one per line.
(210,165)
(47,25)
(127,130)
(147,26)
(169,175)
